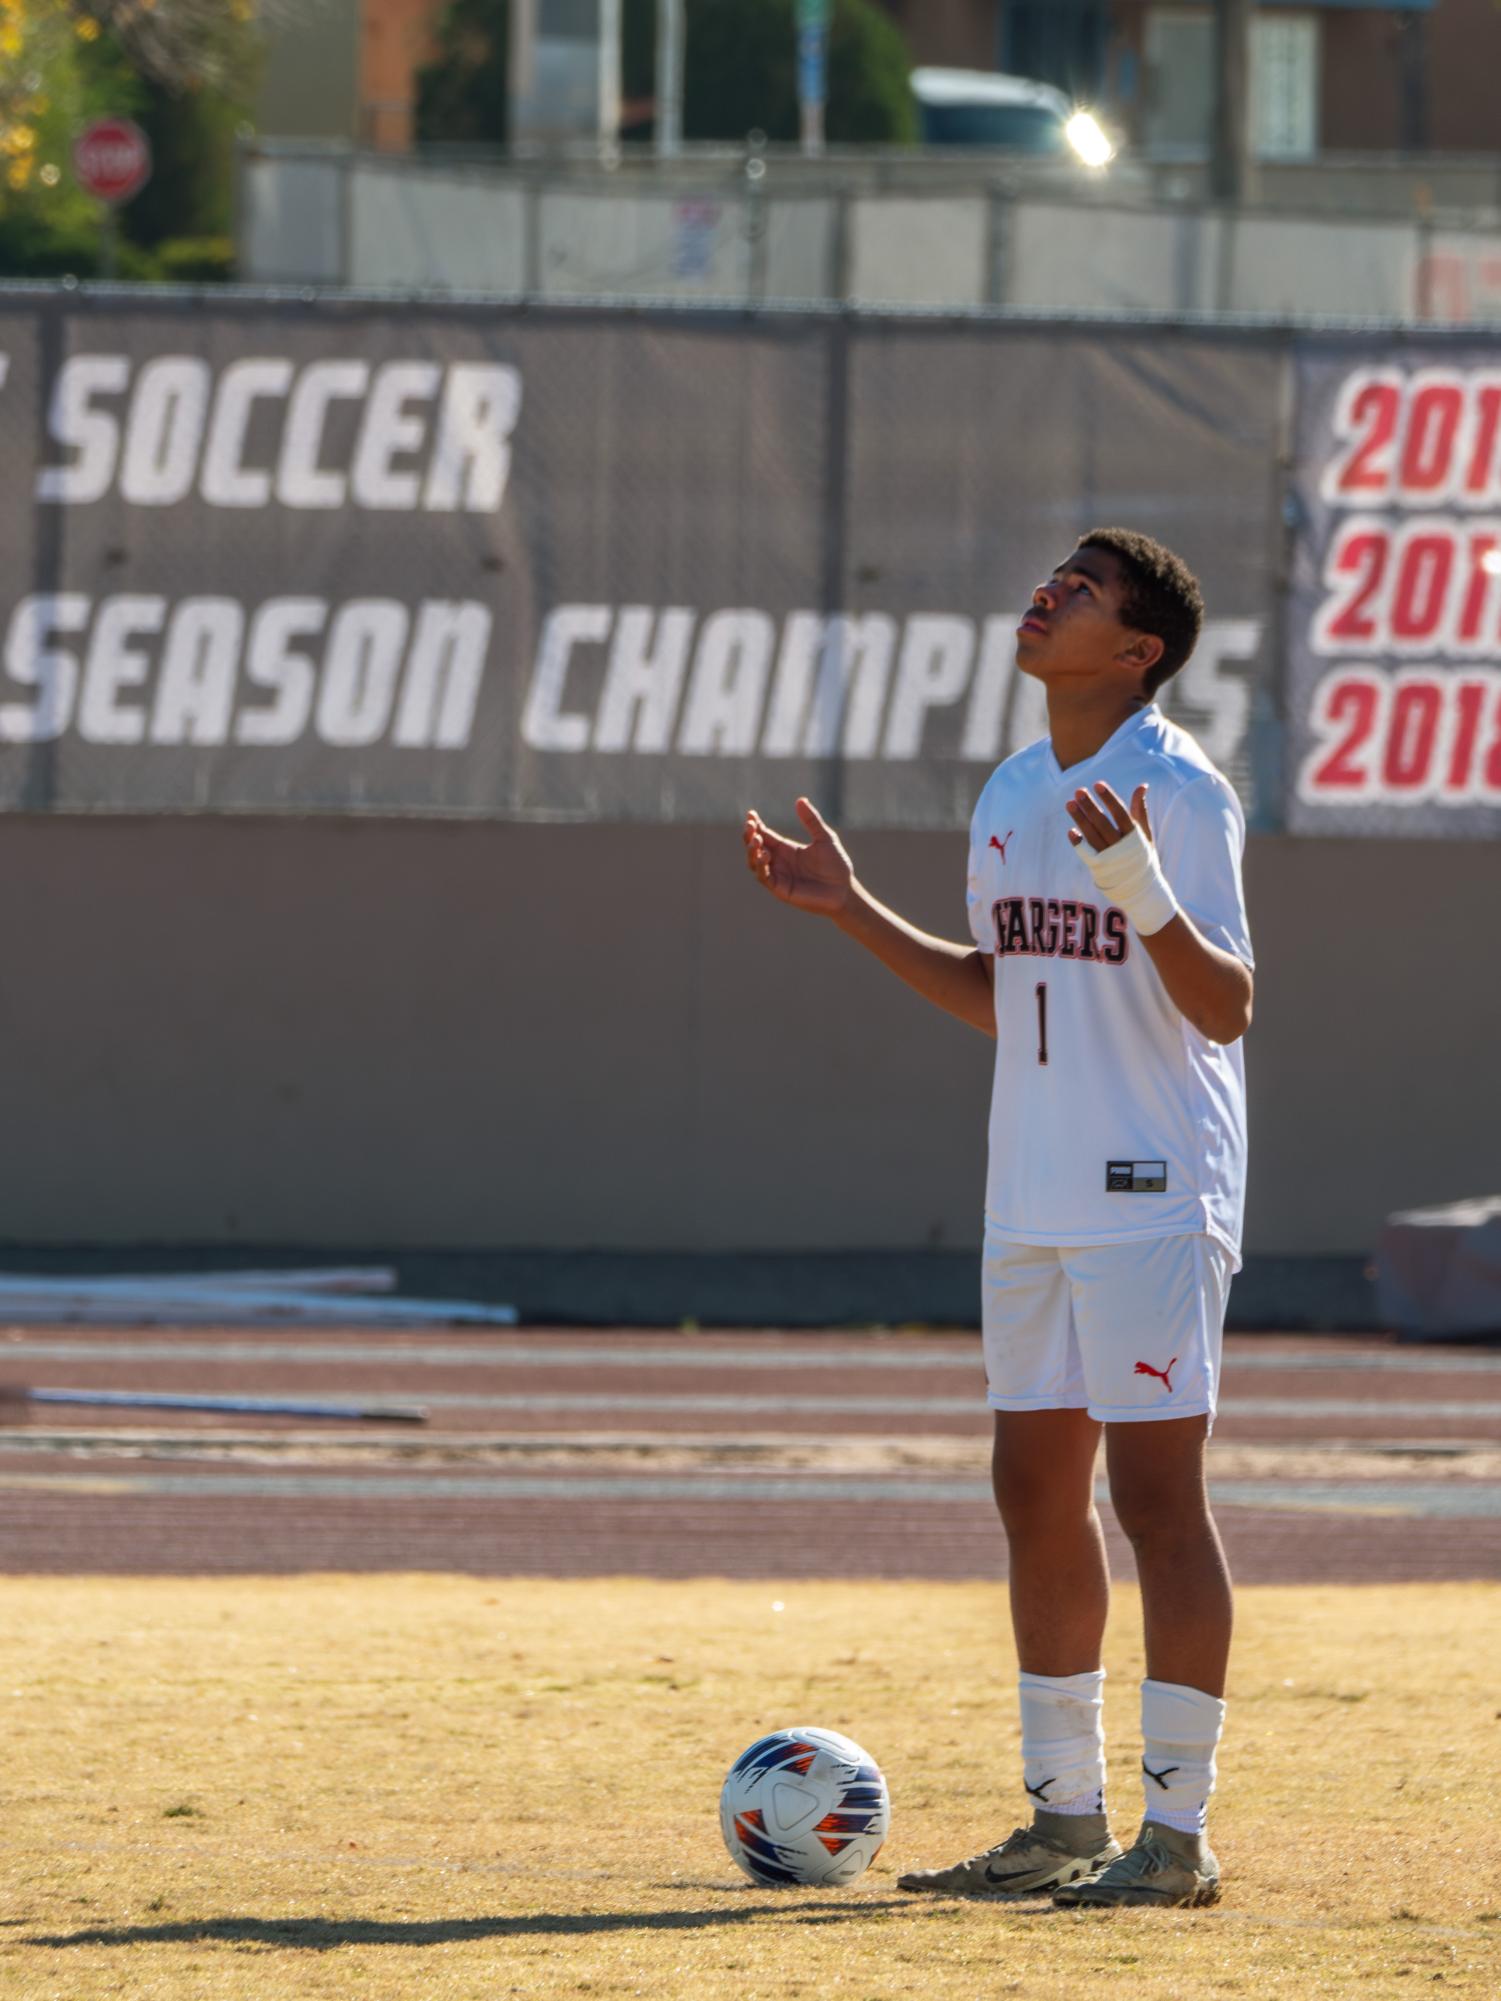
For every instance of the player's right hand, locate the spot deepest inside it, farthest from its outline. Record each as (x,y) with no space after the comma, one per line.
(813,875)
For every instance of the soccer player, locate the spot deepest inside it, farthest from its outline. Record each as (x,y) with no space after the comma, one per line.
(1112,964)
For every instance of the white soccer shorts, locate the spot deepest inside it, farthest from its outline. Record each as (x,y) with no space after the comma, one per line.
(1127,1331)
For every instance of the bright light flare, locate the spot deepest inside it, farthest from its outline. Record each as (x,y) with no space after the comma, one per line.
(1087,137)
(1490,562)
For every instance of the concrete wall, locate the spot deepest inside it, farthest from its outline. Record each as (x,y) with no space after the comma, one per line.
(429,1035)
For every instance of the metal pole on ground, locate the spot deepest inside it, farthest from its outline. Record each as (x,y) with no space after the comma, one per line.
(1230,139)
(521,67)
(669,118)
(12,1396)
(812,72)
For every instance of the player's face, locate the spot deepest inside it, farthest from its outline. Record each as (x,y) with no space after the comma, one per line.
(1073,627)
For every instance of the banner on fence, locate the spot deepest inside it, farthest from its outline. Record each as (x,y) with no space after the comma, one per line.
(295,556)
(1394,618)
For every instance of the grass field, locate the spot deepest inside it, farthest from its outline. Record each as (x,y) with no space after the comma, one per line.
(447,1789)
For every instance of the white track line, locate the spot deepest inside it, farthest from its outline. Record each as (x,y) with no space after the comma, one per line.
(593,1401)
(826,1352)
(1451,1500)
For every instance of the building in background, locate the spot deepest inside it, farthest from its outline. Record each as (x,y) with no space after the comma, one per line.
(346,70)
(1064,42)
(1329,76)
(1309,66)
(310,80)
(395,41)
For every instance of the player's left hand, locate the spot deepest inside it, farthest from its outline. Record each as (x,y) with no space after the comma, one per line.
(1105,821)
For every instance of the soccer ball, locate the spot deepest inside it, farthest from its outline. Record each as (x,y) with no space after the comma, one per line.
(804,1806)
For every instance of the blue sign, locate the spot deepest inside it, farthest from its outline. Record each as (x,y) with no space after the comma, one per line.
(812,66)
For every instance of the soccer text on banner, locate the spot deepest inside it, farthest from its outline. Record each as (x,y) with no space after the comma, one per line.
(297,557)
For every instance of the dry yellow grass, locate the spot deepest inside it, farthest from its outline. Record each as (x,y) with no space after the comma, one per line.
(458,1790)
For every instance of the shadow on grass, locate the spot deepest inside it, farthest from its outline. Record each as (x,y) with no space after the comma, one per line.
(327,1934)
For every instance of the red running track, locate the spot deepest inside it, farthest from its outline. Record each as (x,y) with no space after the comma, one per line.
(512,1475)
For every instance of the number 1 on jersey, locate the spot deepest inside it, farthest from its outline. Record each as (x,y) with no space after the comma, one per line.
(1042,1021)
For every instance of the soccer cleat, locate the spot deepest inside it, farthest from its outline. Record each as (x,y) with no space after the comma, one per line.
(1056,1848)
(1165,1868)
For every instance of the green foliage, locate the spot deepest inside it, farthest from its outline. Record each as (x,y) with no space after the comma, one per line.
(195,260)
(50,227)
(461,93)
(870,97)
(638,51)
(739,72)
(36,245)
(191,190)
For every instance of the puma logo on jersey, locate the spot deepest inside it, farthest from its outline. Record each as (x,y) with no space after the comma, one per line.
(1001,845)
(1164,1376)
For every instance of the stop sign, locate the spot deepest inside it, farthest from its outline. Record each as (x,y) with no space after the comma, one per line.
(112,159)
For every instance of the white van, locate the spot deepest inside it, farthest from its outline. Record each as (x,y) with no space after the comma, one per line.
(973,107)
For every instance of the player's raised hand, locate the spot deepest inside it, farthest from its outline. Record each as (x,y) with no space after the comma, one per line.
(812,875)
(1104,821)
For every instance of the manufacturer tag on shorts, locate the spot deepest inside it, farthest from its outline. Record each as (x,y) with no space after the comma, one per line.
(1135,1177)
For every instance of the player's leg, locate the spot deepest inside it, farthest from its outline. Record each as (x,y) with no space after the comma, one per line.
(1043,1468)
(1154,1375)
(1043,1477)
(1042,1473)
(1158,1491)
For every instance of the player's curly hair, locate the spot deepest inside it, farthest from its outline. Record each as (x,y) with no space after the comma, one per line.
(1162,597)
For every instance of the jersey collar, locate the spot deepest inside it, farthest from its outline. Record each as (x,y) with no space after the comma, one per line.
(1150,714)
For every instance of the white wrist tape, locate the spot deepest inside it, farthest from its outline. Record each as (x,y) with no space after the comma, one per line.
(1129,875)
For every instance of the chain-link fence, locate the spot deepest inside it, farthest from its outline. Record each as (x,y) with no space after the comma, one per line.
(738,233)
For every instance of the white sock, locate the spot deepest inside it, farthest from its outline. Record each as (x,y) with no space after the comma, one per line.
(1063,1741)
(1180,1729)
(1091,1802)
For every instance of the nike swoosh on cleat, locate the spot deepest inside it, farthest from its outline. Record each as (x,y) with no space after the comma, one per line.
(1016,1876)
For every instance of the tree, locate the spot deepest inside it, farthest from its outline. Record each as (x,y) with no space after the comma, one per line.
(740,72)
(182,67)
(191,190)
(61,72)
(461,93)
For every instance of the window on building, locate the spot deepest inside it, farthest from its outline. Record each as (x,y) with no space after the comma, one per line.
(1180,86)
(1285,86)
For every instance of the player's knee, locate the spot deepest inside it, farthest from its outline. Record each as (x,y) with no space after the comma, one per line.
(1018,1495)
(1155,1510)
(1030,1499)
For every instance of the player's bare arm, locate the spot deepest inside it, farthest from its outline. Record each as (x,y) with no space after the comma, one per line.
(1210,987)
(817,875)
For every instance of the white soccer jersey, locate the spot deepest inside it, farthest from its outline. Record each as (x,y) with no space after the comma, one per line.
(1112,1117)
